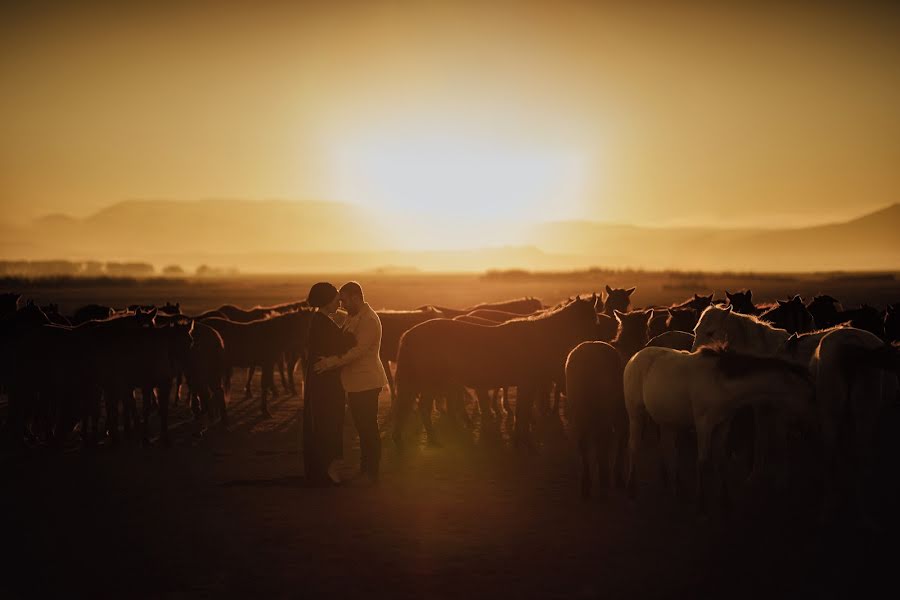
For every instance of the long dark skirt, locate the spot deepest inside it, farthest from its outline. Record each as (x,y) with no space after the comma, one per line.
(323,423)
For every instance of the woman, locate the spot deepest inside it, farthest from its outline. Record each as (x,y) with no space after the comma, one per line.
(323,396)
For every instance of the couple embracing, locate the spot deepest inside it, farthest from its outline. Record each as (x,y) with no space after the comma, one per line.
(343,367)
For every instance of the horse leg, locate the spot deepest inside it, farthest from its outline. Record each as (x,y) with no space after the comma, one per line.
(404,403)
(505,397)
(495,401)
(176,396)
(163,403)
(865,418)
(760,444)
(147,402)
(392,388)
(218,394)
(267,384)
(704,440)
(226,381)
(484,403)
(668,457)
(524,408)
(584,452)
(635,434)
(248,393)
(719,457)
(281,369)
(557,396)
(603,448)
(426,406)
(111,396)
(290,359)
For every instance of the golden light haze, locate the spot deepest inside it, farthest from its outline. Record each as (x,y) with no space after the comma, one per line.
(459,117)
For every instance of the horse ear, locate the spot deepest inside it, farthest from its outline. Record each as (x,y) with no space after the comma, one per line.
(797,299)
(618,315)
(608,289)
(728,294)
(781,302)
(749,294)
(630,291)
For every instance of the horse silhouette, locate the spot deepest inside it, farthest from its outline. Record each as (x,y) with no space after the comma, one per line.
(618,299)
(597,408)
(741,302)
(262,343)
(790,315)
(443,354)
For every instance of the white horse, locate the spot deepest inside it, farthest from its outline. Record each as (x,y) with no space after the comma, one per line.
(852,369)
(703,390)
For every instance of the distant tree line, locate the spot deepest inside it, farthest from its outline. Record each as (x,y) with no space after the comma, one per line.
(98,269)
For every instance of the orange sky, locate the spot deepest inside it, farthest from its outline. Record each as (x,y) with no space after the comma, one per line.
(525,110)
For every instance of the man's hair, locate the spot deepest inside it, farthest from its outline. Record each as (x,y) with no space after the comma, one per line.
(352,288)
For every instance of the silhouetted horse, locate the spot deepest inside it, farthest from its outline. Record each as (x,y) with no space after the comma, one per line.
(394,323)
(91,312)
(633,332)
(892,323)
(520,306)
(262,343)
(9,303)
(244,315)
(676,340)
(618,299)
(52,312)
(824,310)
(442,354)
(741,302)
(698,303)
(206,372)
(790,315)
(597,405)
(865,317)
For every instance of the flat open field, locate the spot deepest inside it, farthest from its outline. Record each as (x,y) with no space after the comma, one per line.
(229,513)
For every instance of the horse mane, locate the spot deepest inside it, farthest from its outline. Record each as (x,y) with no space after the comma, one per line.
(736,364)
(742,317)
(427,309)
(545,314)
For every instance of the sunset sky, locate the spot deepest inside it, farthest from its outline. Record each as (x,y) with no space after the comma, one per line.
(440,111)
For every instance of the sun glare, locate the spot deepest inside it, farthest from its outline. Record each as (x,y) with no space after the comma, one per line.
(454,190)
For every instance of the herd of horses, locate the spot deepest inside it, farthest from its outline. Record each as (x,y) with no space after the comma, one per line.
(694,368)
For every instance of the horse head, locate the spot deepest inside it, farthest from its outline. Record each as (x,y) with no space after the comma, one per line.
(712,326)
(741,301)
(617,299)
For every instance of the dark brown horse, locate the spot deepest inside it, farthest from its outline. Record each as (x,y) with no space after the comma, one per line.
(633,332)
(790,315)
(394,323)
(262,343)
(519,306)
(597,405)
(443,354)
(617,299)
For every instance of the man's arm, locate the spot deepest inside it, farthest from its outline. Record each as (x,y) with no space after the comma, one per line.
(368,336)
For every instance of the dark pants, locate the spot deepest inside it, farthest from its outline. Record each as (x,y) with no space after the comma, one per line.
(364,408)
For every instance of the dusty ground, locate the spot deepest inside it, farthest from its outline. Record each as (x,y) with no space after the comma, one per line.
(229,514)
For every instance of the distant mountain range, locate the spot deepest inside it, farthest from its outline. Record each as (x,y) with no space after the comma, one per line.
(287,236)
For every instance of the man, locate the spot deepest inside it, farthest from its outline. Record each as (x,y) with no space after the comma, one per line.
(362,374)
